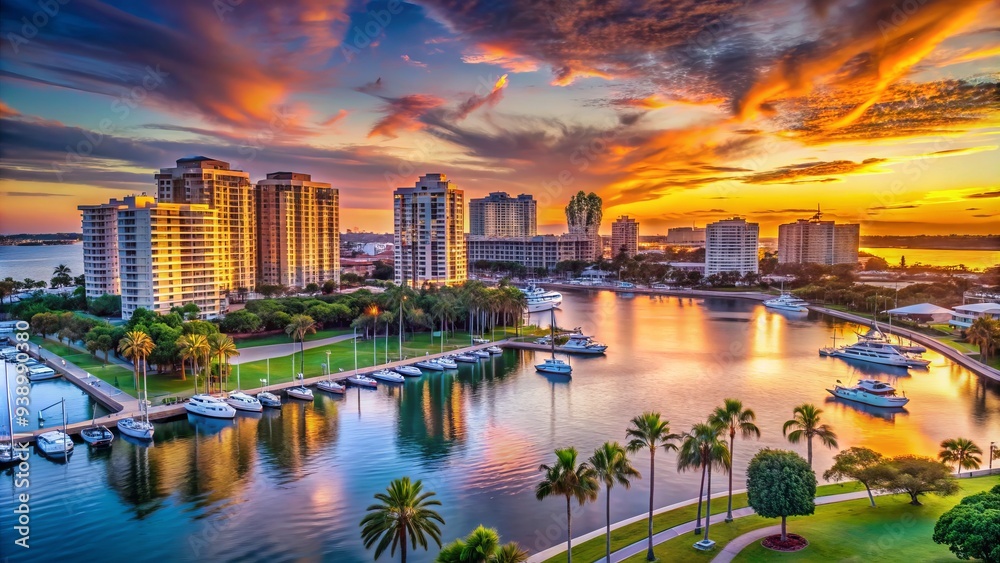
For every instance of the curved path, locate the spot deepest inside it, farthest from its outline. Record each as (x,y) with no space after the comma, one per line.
(254,353)
(740,543)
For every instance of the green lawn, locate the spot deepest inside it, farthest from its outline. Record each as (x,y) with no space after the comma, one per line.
(283,338)
(845,531)
(594,549)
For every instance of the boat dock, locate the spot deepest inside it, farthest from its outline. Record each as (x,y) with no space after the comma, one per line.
(543,348)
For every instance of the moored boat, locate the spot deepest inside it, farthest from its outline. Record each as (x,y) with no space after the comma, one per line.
(540,299)
(447,363)
(40,373)
(787,302)
(331,386)
(553,365)
(139,429)
(495,350)
(430,365)
(207,405)
(97,436)
(481,354)
(54,443)
(408,371)
(362,381)
(466,358)
(388,376)
(878,397)
(243,402)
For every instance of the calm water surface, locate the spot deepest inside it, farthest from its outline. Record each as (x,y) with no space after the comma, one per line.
(37,262)
(972,259)
(293,484)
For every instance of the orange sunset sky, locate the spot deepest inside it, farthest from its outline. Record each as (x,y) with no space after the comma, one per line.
(678,113)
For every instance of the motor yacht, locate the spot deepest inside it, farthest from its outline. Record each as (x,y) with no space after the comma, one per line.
(787,302)
(870,392)
(54,443)
(40,372)
(388,376)
(362,381)
(268,399)
(97,436)
(408,371)
(447,363)
(300,392)
(912,360)
(207,405)
(139,429)
(243,402)
(466,358)
(540,299)
(883,355)
(495,350)
(580,344)
(430,365)
(481,354)
(875,334)
(331,386)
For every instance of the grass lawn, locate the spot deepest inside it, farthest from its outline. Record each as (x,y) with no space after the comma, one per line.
(845,531)
(963,347)
(594,549)
(283,338)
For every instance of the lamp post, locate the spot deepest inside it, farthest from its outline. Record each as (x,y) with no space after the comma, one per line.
(329,368)
(992,447)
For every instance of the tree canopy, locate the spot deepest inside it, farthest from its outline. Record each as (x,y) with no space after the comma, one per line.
(971,529)
(780,484)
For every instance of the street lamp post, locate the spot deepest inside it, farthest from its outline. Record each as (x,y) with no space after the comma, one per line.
(992,447)
(329,368)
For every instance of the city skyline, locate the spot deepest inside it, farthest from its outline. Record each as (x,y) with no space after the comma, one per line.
(885,117)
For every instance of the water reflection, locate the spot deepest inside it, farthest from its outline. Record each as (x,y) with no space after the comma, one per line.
(836,404)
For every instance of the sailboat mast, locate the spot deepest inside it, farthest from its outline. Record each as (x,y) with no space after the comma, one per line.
(552,331)
(145,392)
(10,406)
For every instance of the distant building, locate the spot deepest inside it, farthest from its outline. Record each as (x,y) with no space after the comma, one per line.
(499,215)
(170,255)
(429,240)
(539,251)
(100,244)
(583,217)
(298,221)
(201,180)
(625,234)
(686,236)
(731,246)
(964,315)
(814,241)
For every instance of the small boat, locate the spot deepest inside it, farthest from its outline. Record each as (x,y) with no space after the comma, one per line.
(207,405)
(466,358)
(495,349)
(481,354)
(139,429)
(787,302)
(860,393)
(362,381)
(243,402)
(331,386)
(96,435)
(40,372)
(553,365)
(408,371)
(301,392)
(447,363)
(580,344)
(430,365)
(269,399)
(54,443)
(388,375)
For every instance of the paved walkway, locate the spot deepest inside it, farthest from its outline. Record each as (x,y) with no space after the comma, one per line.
(740,543)
(254,353)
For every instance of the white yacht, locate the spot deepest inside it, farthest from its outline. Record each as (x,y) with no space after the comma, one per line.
(388,375)
(269,399)
(540,299)
(447,363)
(870,392)
(430,365)
(875,334)
(139,429)
(581,344)
(495,350)
(207,405)
(243,402)
(408,371)
(787,302)
(554,366)
(301,392)
(466,358)
(362,381)
(40,372)
(871,353)
(331,386)
(54,443)
(481,354)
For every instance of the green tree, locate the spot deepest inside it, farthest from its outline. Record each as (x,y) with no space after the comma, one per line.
(963,452)
(612,466)
(780,484)
(805,423)
(44,324)
(61,277)
(735,420)
(985,333)
(915,476)
(298,328)
(565,477)
(863,465)
(971,529)
(403,510)
(136,346)
(106,305)
(482,545)
(240,322)
(649,431)
(703,448)
(223,348)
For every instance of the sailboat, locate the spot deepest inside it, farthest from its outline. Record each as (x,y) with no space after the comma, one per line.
(265,397)
(7,454)
(553,365)
(97,435)
(140,429)
(331,386)
(55,442)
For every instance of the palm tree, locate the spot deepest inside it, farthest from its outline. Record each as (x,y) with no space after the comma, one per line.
(733,417)
(223,348)
(649,431)
(184,351)
(300,326)
(482,545)
(703,448)
(510,552)
(567,478)
(403,510)
(805,422)
(136,346)
(611,465)
(200,348)
(983,333)
(963,452)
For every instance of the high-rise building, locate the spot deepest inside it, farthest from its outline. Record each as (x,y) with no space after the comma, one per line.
(686,236)
(499,215)
(814,241)
(169,255)
(100,244)
(429,232)
(731,246)
(583,217)
(206,181)
(298,222)
(539,251)
(625,235)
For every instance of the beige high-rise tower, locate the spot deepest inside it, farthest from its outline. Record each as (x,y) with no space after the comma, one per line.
(298,221)
(100,244)
(625,236)
(206,181)
(429,232)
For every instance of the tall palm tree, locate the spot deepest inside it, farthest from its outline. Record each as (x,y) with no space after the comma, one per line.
(649,431)
(223,348)
(399,299)
(136,346)
(805,423)
(736,419)
(403,510)
(611,465)
(704,448)
(201,350)
(983,332)
(567,478)
(184,351)
(300,326)
(963,452)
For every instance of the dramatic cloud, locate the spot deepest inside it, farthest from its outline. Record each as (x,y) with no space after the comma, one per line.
(403,114)
(796,172)
(984,195)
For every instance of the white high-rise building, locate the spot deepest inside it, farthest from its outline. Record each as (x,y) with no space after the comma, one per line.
(299,225)
(499,215)
(731,246)
(206,181)
(815,241)
(100,244)
(625,235)
(429,232)
(169,255)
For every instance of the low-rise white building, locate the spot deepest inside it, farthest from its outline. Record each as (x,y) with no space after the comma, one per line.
(964,315)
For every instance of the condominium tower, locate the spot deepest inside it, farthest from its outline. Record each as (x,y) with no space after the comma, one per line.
(298,222)
(625,236)
(499,215)
(731,246)
(100,244)
(429,232)
(201,180)
(815,241)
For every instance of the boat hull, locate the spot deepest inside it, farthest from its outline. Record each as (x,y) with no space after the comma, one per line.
(408,372)
(99,437)
(865,398)
(362,383)
(244,406)
(872,360)
(193,409)
(542,368)
(138,433)
(271,401)
(300,394)
(789,308)
(431,367)
(543,306)
(331,387)
(388,378)
(42,376)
